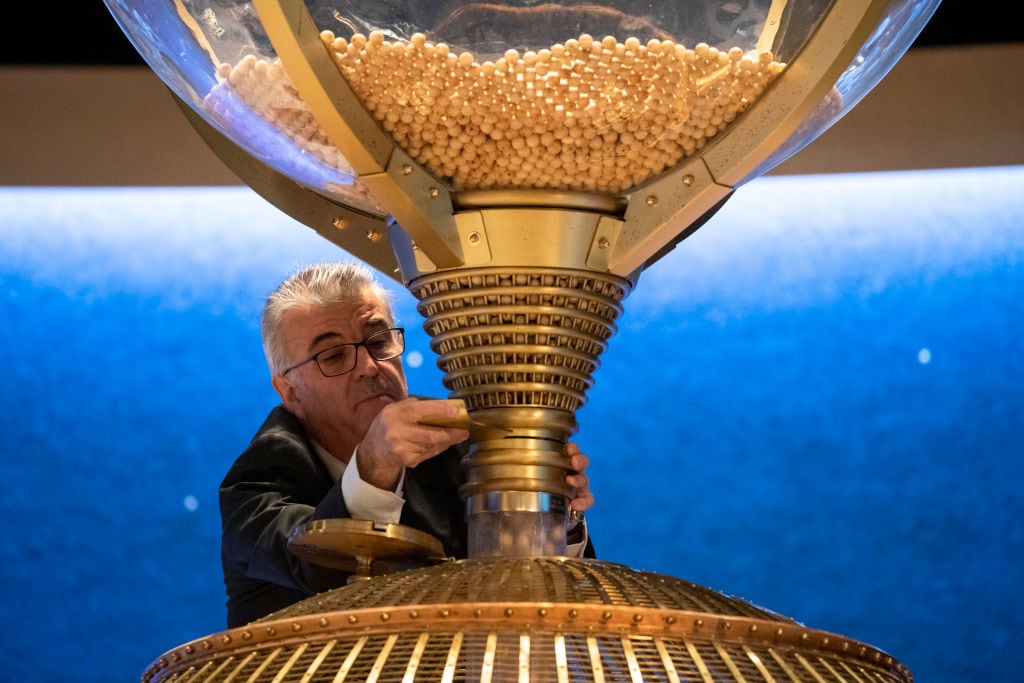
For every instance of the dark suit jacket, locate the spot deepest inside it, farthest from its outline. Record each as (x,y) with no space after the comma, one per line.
(280,483)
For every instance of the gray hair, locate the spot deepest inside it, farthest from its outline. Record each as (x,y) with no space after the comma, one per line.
(320,284)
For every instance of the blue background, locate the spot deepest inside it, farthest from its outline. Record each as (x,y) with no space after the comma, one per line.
(814,403)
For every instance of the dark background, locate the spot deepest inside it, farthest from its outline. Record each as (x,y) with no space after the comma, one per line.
(91,37)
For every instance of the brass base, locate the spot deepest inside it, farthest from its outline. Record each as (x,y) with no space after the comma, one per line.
(364,548)
(543,619)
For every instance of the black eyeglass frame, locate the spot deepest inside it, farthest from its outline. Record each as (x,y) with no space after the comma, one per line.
(355,362)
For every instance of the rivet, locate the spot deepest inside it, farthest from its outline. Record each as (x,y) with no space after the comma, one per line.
(753,628)
(846,646)
(340,223)
(727,625)
(670,620)
(804,637)
(407,170)
(651,200)
(508,611)
(352,618)
(189,649)
(778,632)
(271,630)
(542,612)
(246,635)
(688,180)
(878,656)
(296,627)
(226,639)
(824,642)
(323,621)
(606,616)
(698,623)
(445,613)
(413,614)
(434,192)
(373,235)
(478,613)
(174,656)
(603,243)
(384,616)
(573,614)
(638,618)
(474,238)
(863,651)
(207,645)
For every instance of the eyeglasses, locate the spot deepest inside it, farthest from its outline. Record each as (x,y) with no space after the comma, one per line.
(342,358)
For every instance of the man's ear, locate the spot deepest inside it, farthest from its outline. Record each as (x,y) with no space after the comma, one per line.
(289,396)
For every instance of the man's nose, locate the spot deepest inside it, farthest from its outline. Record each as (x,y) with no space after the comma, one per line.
(366,364)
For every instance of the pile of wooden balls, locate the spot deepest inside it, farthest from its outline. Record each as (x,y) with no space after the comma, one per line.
(586,114)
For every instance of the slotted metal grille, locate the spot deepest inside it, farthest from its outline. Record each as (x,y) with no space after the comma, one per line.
(525,619)
(529,579)
(519,337)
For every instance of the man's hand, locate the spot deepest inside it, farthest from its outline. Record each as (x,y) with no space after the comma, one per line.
(582,498)
(396,439)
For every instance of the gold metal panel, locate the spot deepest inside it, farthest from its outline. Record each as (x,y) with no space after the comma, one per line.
(547,238)
(660,211)
(420,203)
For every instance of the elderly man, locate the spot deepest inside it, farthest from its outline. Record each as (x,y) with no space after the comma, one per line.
(346,441)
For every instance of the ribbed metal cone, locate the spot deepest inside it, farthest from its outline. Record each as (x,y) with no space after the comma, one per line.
(542,619)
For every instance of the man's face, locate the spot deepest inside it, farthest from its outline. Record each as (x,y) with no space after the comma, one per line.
(337,411)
